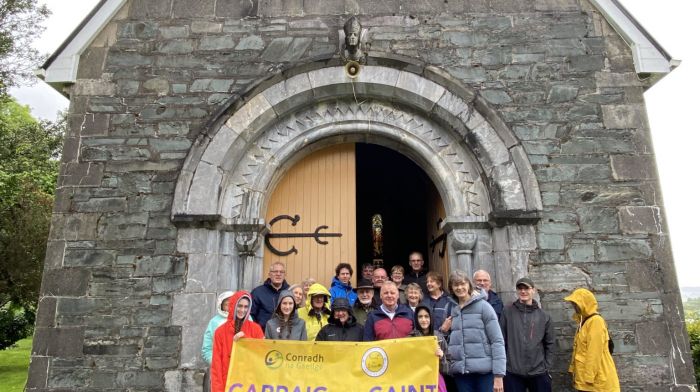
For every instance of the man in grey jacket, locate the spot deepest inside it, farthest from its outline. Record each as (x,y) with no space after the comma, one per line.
(529,336)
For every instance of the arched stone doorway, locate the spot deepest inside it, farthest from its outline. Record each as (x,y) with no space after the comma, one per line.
(481,172)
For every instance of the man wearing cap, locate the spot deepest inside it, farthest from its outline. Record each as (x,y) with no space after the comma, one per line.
(342,325)
(364,304)
(529,336)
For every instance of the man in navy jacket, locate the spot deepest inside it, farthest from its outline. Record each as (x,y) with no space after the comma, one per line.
(265,296)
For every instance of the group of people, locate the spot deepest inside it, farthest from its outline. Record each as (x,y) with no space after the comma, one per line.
(482,344)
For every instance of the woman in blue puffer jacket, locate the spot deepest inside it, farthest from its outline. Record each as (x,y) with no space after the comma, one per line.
(476,350)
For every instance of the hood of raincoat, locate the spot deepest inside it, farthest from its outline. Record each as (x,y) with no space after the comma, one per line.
(317,289)
(586,302)
(233,304)
(284,294)
(342,303)
(220,300)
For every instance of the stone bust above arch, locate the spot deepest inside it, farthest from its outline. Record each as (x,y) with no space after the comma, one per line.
(470,145)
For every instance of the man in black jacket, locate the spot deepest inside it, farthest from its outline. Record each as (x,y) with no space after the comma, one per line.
(529,336)
(416,274)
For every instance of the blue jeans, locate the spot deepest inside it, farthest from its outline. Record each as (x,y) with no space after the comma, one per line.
(474,382)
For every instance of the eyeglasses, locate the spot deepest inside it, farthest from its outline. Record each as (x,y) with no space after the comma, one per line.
(411,261)
(276,272)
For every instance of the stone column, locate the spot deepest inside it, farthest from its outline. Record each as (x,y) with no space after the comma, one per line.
(462,236)
(463,242)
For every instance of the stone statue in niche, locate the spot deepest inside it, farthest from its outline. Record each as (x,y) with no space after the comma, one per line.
(352,50)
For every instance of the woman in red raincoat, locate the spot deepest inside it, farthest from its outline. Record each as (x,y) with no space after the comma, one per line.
(236,326)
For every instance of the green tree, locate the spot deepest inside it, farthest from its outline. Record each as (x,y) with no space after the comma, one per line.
(692,323)
(28,170)
(20,25)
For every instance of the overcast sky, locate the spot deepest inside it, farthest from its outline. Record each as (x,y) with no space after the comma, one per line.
(671,106)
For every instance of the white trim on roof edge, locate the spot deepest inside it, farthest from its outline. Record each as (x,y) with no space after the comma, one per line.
(64,68)
(648,58)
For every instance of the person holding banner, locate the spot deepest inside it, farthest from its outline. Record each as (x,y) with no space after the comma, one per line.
(285,324)
(476,349)
(423,324)
(392,320)
(342,325)
(317,310)
(237,326)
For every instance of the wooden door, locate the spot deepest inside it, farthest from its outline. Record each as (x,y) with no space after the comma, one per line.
(437,241)
(320,189)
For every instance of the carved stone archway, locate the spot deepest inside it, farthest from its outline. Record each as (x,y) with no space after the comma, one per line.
(480,169)
(207,187)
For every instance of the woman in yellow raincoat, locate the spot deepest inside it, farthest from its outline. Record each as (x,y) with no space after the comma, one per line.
(316,311)
(591,365)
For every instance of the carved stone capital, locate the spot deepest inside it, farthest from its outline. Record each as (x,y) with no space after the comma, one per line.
(463,241)
(248,236)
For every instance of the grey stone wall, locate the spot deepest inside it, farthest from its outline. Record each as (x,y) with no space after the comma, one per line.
(154,80)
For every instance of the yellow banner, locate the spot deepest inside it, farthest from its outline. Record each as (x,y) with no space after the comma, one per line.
(400,365)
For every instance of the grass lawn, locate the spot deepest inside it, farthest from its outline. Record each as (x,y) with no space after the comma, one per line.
(14,363)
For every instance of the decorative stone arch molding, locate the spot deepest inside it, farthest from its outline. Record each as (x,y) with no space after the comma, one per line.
(235,156)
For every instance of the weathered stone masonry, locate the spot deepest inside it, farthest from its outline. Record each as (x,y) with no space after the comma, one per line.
(128,281)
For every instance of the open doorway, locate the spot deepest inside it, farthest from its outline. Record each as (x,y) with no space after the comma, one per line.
(390,184)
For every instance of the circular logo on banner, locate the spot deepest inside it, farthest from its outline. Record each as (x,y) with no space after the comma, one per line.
(273,359)
(375,362)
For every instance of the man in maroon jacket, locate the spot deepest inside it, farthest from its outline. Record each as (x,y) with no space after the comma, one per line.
(392,320)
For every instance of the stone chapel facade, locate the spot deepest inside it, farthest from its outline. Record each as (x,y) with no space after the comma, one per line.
(525,117)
